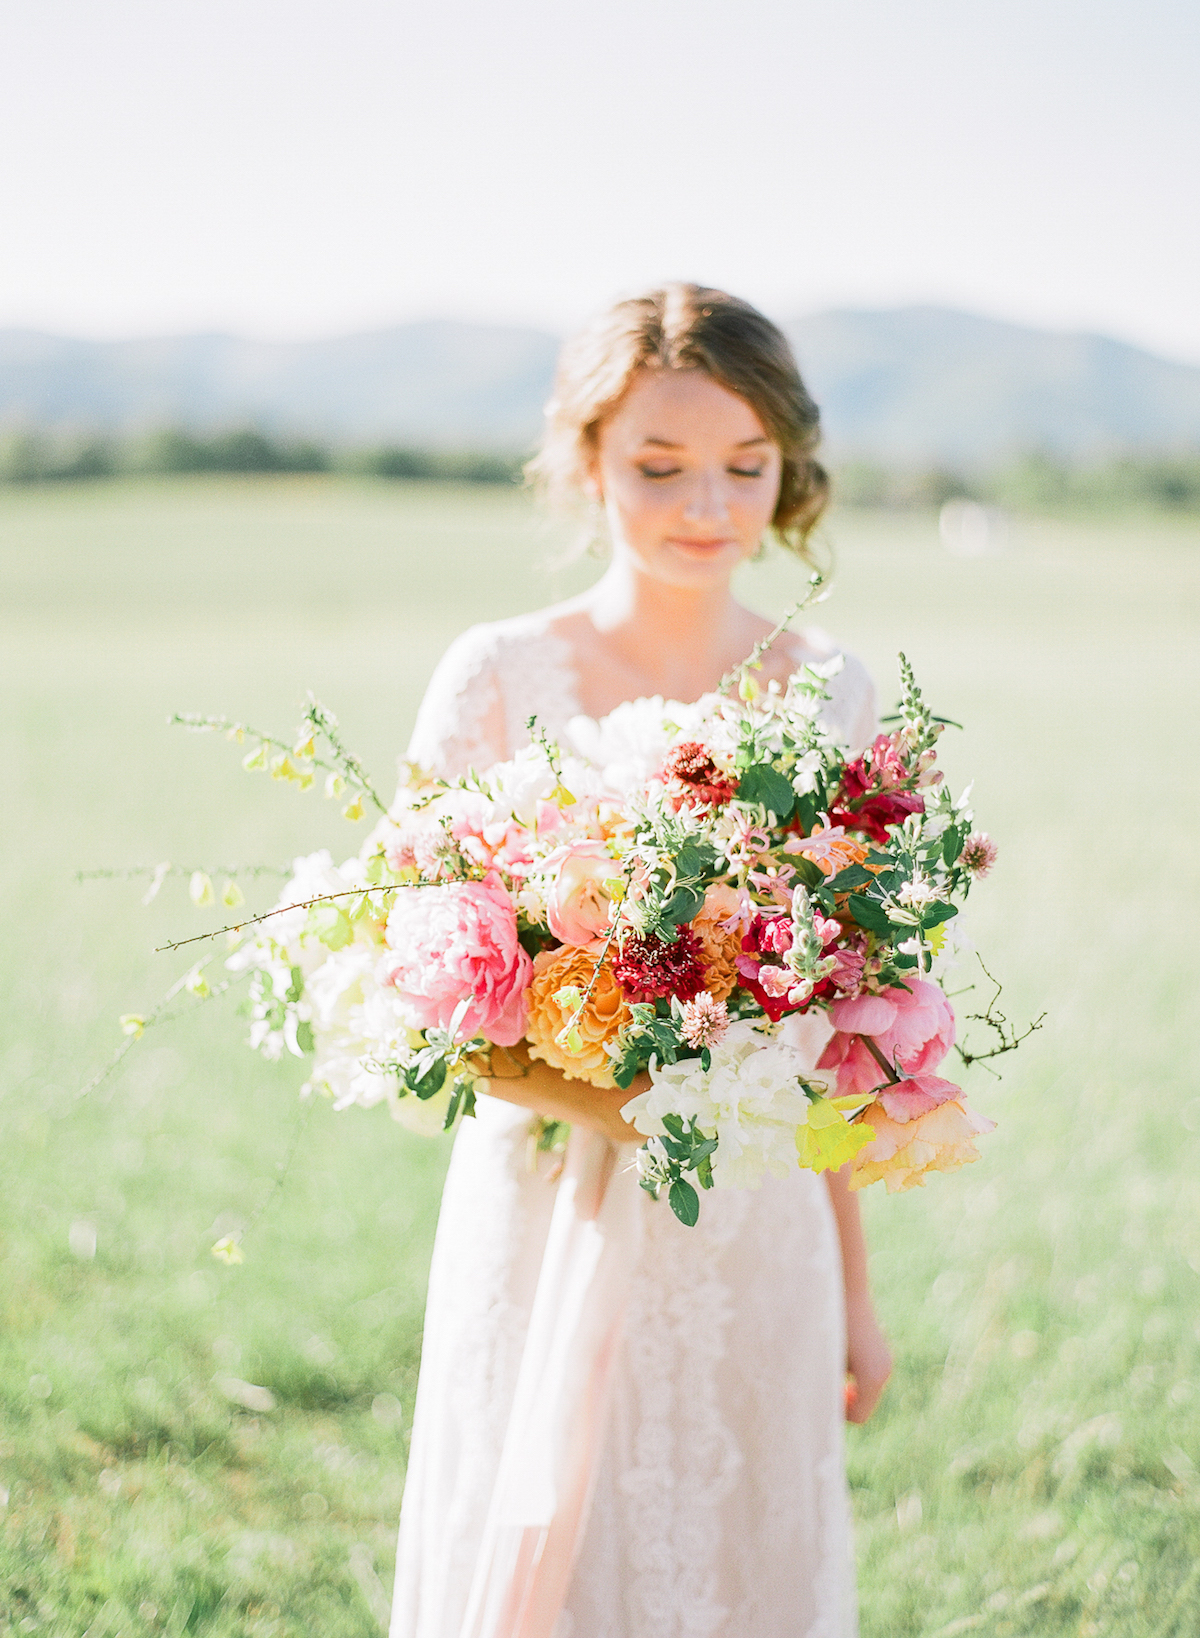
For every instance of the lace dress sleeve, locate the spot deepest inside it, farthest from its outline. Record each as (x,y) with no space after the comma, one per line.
(461,723)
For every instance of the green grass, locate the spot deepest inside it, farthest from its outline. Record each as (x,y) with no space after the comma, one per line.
(1031,1469)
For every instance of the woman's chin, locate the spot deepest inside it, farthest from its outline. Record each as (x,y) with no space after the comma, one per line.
(690,566)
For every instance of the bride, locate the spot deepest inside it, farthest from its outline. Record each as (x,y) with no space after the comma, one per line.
(697,1378)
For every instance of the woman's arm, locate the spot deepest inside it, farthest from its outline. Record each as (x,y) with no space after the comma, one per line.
(520,1079)
(868,1358)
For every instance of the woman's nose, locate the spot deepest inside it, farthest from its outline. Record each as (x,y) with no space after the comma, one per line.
(707,501)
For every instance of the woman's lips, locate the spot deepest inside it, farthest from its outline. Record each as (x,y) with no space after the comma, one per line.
(706,546)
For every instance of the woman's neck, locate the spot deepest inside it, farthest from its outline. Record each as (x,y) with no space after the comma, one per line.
(679,639)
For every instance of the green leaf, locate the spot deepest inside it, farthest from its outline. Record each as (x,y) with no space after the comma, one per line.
(938,913)
(846,880)
(900,959)
(304,1036)
(809,871)
(427,1074)
(704,1174)
(764,783)
(685,1202)
(331,925)
(296,988)
(681,906)
(807,810)
(705,1059)
(952,844)
(870,914)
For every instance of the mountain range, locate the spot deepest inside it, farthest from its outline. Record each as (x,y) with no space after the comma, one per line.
(908,386)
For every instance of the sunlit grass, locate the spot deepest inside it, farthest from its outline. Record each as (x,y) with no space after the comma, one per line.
(1033,1468)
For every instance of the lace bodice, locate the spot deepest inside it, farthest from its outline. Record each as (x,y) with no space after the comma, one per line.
(494,677)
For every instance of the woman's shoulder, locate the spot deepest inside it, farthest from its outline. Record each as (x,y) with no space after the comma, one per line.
(494,641)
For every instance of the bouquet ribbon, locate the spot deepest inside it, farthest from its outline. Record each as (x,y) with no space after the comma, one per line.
(543,1486)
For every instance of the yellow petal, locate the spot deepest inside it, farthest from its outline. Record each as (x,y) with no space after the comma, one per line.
(255,759)
(232,895)
(132,1023)
(353,810)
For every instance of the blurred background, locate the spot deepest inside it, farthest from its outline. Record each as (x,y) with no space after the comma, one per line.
(280,294)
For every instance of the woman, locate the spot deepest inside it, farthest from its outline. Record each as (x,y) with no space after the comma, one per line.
(702,1371)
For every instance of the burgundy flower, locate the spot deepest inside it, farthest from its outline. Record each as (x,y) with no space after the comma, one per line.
(699,781)
(868,798)
(647,968)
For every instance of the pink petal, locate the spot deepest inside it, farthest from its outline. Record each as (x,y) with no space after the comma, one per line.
(863,1015)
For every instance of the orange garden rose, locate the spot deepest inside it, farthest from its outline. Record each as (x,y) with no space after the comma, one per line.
(902,1153)
(719,946)
(602,1018)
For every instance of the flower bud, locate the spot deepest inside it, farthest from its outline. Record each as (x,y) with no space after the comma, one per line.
(200,890)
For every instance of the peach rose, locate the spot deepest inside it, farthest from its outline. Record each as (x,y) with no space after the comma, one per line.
(902,1153)
(602,1019)
(720,944)
(578,905)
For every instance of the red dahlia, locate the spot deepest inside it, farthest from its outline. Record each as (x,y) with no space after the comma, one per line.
(702,782)
(647,968)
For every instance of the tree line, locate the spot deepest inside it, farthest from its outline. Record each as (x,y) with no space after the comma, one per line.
(1036,480)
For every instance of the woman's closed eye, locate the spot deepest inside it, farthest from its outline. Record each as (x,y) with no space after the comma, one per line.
(674,471)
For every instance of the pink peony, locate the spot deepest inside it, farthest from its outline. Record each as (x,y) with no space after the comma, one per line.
(914,1029)
(458,940)
(578,906)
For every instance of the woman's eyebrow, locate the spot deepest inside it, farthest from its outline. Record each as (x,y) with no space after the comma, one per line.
(665,443)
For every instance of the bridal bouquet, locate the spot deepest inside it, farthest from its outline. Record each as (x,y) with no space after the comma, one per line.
(668,891)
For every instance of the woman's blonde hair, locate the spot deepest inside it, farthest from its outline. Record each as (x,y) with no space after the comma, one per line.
(685,327)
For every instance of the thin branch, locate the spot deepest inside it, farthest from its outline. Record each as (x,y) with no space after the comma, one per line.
(1008,1038)
(282,910)
(128,872)
(760,648)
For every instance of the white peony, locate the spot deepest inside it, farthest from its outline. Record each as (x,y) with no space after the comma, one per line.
(750,1100)
(629,744)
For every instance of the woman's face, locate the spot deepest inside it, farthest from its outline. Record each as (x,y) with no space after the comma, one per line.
(688,477)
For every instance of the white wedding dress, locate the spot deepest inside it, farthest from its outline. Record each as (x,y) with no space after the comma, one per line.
(715,1471)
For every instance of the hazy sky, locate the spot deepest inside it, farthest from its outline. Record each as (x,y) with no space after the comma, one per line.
(300,168)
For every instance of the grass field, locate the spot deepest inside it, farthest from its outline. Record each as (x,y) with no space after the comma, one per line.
(1033,1469)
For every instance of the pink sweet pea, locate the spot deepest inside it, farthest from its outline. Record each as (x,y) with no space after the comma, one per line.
(578,906)
(452,942)
(914,1029)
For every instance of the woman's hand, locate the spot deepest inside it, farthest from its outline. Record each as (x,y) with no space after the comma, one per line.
(868,1359)
(520,1079)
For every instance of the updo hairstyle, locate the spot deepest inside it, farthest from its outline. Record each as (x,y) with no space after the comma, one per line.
(685,327)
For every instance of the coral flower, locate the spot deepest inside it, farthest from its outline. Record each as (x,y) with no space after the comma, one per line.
(717,929)
(829,848)
(604,1015)
(902,1154)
